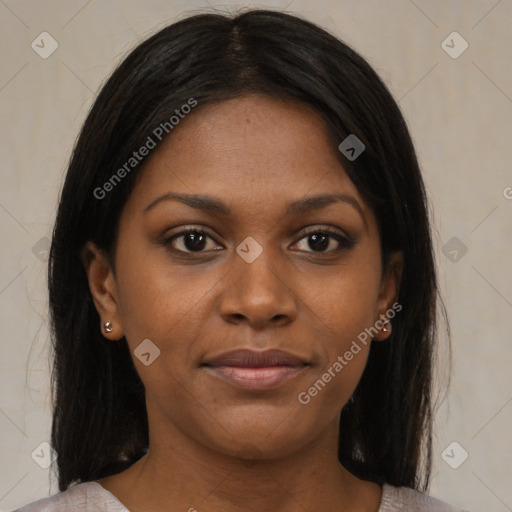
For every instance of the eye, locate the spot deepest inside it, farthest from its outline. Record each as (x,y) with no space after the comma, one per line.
(189,241)
(319,240)
(322,241)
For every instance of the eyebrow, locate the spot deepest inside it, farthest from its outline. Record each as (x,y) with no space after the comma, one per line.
(299,206)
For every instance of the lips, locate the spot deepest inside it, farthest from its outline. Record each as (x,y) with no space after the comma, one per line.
(256,371)
(252,359)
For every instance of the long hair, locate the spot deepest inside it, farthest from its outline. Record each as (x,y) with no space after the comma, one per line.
(99,421)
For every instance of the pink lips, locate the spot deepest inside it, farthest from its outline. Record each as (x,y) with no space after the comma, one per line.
(256,371)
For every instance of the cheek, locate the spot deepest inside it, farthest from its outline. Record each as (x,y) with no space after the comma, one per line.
(333,385)
(158,299)
(342,347)
(345,304)
(342,359)
(343,310)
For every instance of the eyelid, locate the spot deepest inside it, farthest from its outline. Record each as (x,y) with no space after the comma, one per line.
(185,230)
(316,228)
(344,240)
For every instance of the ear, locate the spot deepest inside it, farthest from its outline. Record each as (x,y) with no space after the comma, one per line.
(103,289)
(388,295)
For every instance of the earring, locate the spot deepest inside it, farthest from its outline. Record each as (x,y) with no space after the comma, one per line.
(107,327)
(387,327)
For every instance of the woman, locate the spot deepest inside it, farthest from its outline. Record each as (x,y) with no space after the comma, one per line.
(242,284)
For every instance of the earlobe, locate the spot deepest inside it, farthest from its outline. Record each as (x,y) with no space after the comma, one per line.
(103,289)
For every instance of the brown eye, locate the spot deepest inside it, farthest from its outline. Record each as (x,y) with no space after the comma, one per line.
(189,241)
(321,241)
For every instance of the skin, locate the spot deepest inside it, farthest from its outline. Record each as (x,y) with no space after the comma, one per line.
(213,446)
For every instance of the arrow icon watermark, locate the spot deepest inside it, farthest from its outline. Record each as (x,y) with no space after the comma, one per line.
(351,147)
(147,352)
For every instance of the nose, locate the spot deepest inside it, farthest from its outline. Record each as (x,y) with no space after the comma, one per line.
(259,294)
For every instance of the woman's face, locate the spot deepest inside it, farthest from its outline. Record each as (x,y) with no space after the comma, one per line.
(264,275)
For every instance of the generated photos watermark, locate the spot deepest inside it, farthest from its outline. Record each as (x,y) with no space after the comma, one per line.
(304,397)
(157,135)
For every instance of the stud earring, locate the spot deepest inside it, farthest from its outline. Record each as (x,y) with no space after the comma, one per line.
(387,327)
(107,327)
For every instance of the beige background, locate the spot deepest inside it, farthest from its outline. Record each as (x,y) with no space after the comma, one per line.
(459,111)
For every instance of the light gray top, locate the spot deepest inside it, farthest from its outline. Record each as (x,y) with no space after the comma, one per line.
(93,497)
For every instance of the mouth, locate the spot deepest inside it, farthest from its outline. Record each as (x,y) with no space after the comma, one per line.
(256,371)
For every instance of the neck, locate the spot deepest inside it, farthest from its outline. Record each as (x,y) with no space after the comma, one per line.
(179,471)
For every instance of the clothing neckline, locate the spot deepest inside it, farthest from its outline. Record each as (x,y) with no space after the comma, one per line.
(384,500)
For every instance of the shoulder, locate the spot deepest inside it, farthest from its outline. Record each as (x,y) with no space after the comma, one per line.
(84,497)
(395,499)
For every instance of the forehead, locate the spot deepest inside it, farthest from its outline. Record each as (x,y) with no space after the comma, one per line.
(253,149)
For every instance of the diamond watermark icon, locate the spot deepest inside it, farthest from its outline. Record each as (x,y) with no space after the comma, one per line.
(249,249)
(454,455)
(146,352)
(454,249)
(43,455)
(41,249)
(454,45)
(351,147)
(44,45)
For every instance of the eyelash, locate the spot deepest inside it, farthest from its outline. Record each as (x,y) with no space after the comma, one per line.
(345,242)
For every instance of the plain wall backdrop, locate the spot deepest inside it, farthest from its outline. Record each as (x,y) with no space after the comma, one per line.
(458,103)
